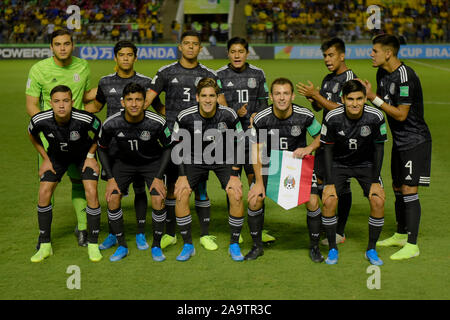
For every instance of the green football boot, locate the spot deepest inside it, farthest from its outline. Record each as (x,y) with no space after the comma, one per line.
(94,252)
(407,252)
(209,242)
(397,240)
(44,251)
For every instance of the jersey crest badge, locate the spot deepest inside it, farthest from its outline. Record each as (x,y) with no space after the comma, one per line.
(251,83)
(222,126)
(336,88)
(365,131)
(76,77)
(392,88)
(145,136)
(74,136)
(296,131)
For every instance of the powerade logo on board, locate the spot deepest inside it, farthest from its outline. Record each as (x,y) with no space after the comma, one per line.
(144,53)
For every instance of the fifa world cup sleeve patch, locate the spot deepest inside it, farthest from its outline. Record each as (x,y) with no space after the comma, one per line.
(314,128)
(383,130)
(167,132)
(265,87)
(96,124)
(219,83)
(404,91)
(238,127)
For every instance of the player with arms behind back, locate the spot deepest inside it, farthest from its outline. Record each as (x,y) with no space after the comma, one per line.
(399,95)
(179,80)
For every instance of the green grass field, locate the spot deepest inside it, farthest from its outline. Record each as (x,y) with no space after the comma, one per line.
(284,272)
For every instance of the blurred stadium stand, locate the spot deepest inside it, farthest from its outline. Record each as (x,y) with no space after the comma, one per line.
(262,21)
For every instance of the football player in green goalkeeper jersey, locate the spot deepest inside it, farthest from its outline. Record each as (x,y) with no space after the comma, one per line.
(62,69)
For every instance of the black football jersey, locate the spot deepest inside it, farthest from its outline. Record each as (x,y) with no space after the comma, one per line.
(208,135)
(241,87)
(332,86)
(290,133)
(137,143)
(179,84)
(71,141)
(353,139)
(110,89)
(402,87)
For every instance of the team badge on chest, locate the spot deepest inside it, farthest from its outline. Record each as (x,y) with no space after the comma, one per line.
(74,136)
(222,126)
(145,136)
(365,131)
(76,77)
(251,83)
(296,131)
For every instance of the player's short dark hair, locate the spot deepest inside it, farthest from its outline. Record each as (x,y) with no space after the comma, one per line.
(207,83)
(353,86)
(189,33)
(133,87)
(124,44)
(281,81)
(60,32)
(61,88)
(338,43)
(388,40)
(237,40)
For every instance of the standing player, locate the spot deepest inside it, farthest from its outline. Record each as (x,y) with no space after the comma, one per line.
(353,138)
(62,69)
(245,90)
(399,94)
(109,92)
(329,98)
(67,132)
(212,122)
(143,143)
(291,122)
(179,80)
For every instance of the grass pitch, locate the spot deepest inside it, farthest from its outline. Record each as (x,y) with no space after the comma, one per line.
(284,272)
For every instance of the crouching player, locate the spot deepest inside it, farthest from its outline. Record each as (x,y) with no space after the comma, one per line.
(143,142)
(290,122)
(67,131)
(206,154)
(353,137)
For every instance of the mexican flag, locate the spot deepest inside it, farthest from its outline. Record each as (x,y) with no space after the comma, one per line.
(289,181)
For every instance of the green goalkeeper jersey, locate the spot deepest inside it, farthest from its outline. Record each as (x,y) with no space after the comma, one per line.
(45,75)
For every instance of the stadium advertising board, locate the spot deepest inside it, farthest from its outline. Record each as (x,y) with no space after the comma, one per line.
(363,52)
(25,53)
(144,53)
(255,52)
(206,6)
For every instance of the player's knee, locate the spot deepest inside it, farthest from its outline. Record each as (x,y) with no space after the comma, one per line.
(234,199)
(184,196)
(376,203)
(408,189)
(330,202)
(45,193)
(157,202)
(256,204)
(114,201)
(313,203)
